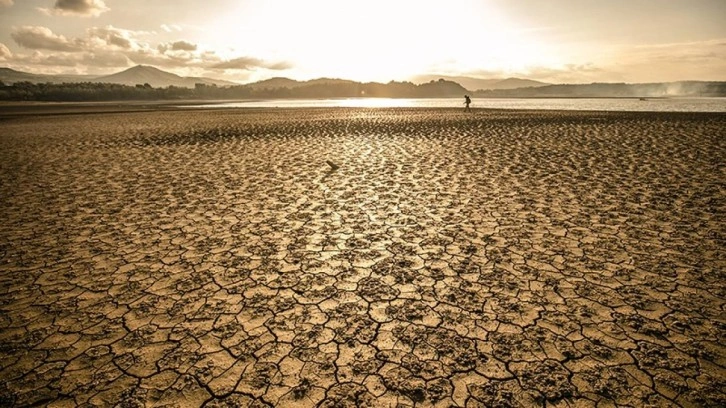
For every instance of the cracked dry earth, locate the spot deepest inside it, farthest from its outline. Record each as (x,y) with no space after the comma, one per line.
(501,258)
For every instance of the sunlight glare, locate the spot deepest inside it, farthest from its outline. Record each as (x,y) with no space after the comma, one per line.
(378,40)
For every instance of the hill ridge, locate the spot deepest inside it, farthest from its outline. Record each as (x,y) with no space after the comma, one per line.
(437,86)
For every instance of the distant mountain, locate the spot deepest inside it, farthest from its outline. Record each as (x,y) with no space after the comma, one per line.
(343,88)
(474,84)
(515,83)
(274,83)
(442,88)
(11,76)
(332,87)
(211,81)
(613,90)
(280,83)
(140,74)
(329,81)
(144,74)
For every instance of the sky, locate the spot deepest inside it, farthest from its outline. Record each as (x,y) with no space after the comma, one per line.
(557,41)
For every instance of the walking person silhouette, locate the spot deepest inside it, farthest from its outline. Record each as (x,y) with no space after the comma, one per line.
(467,101)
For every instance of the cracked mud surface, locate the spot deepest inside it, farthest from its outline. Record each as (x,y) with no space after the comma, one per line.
(494,259)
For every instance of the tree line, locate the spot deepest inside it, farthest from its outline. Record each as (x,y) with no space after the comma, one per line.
(93,91)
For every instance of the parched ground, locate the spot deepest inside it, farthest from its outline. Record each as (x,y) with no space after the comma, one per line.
(495,259)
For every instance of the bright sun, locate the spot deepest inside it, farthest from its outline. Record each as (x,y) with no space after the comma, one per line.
(379,40)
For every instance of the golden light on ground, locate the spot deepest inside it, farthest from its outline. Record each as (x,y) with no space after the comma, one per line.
(376,103)
(301,258)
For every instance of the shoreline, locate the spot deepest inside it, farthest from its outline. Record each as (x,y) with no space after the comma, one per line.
(37,107)
(9,110)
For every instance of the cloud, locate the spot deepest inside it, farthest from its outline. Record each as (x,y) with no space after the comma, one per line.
(84,8)
(42,38)
(102,46)
(177,46)
(672,52)
(6,3)
(170,27)
(107,38)
(54,60)
(569,73)
(105,59)
(80,61)
(704,60)
(699,60)
(243,63)
(5,52)
(112,47)
(279,66)
(249,63)
(112,36)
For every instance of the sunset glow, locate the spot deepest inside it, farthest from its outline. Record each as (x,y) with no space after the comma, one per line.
(375,40)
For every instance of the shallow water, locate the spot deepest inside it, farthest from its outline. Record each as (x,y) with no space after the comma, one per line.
(584,104)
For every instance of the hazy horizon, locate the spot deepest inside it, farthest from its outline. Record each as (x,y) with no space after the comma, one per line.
(561,41)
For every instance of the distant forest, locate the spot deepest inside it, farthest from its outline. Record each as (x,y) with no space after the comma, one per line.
(93,91)
(90,91)
(613,90)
